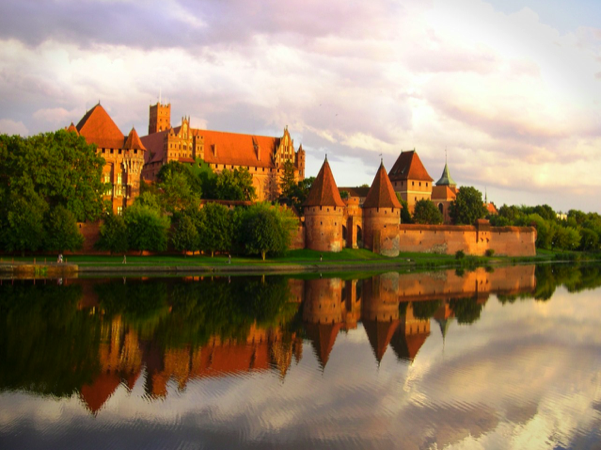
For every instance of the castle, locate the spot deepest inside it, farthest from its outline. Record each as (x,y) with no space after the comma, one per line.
(264,157)
(328,222)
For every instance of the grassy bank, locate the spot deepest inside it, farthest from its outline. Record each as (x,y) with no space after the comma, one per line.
(306,258)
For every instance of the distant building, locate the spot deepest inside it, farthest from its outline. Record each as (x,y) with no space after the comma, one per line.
(124,155)
(444,193)
(264,157)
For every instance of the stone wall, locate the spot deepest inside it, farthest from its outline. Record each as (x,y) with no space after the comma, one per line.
(324,228)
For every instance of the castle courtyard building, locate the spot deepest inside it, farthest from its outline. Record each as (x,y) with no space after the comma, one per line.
(264,157)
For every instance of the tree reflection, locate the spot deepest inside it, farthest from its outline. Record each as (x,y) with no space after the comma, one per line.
(46,344)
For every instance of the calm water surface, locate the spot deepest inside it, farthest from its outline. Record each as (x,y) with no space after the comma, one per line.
(504,358)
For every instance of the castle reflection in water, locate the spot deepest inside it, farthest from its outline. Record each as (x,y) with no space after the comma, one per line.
(390,307)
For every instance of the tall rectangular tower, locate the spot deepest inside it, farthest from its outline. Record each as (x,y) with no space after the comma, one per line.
(159,118)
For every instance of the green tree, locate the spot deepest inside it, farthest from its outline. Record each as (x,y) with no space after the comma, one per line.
(267,229)
(147,228)
(425,212)
(405,217)
(234,185)
(176,193)
(185,236)
(468,206)
(287,180)
(216,230)
(61,231)
(113,234)
(23,223)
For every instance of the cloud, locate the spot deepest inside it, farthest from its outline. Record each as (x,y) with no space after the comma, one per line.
(10,127)
(498,90)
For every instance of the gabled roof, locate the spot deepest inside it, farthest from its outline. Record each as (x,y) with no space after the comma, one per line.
(238,149)
(356,191)
(406,347)
(444,192)
(381,194)
(221,147)
(98,128)
(446,178)
(133,141)
(409,166)
(324,191)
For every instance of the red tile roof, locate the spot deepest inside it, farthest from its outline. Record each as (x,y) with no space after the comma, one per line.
(379,335)
(133,141)
(238,149)
(356,191)
(98,128)
(491,208)
(381,194)
(72,128)
(409,166)
(154,145)
(221,148)
(443,192)
(324,191)
(322,338)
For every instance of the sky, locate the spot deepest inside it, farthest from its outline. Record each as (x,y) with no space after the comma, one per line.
(509,90)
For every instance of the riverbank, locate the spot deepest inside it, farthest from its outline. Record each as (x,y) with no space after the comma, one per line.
(293,262)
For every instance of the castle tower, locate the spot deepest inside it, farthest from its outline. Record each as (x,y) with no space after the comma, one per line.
(410,179)
(444,193)
(159,118)
(323,210)
(381,216)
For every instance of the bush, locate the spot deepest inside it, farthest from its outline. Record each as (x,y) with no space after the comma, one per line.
(489,252)
(460,255)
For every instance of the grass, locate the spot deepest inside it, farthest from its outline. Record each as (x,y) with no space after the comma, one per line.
(347,257)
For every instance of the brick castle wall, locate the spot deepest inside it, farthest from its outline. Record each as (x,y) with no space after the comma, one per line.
(443,239)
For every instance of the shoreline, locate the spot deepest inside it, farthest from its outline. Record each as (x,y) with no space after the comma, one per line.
(27,270)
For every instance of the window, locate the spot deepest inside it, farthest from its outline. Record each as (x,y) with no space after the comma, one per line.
(419,183)
(412,183)
(119,211)
(119,179)
(107,177)
(111,150)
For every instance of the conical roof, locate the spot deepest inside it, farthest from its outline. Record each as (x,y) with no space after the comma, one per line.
(72,128)
(322,337)
(98,128)
(446,179)
(133,141)
(379,335)
(324,191)
(409,166)
(381,194)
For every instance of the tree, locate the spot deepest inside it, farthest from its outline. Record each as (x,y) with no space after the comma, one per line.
(287,181)
(185,236)
(234,185)
(265,228)
(113,234)
(147,228)
(176,193)
(468,206)
(23,223)
(298,193)
(61,231)
(216,228)
(405,217)
(425,212)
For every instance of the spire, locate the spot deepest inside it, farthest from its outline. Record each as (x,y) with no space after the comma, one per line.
(381,194)
(446,179)
(324,191)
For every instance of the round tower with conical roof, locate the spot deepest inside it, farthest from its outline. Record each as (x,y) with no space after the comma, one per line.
(381,216)
(323,210)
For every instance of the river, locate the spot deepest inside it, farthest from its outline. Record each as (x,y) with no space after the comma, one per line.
(494,358)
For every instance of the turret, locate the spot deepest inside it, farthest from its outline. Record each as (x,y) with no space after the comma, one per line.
(381,216)
(323,210)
